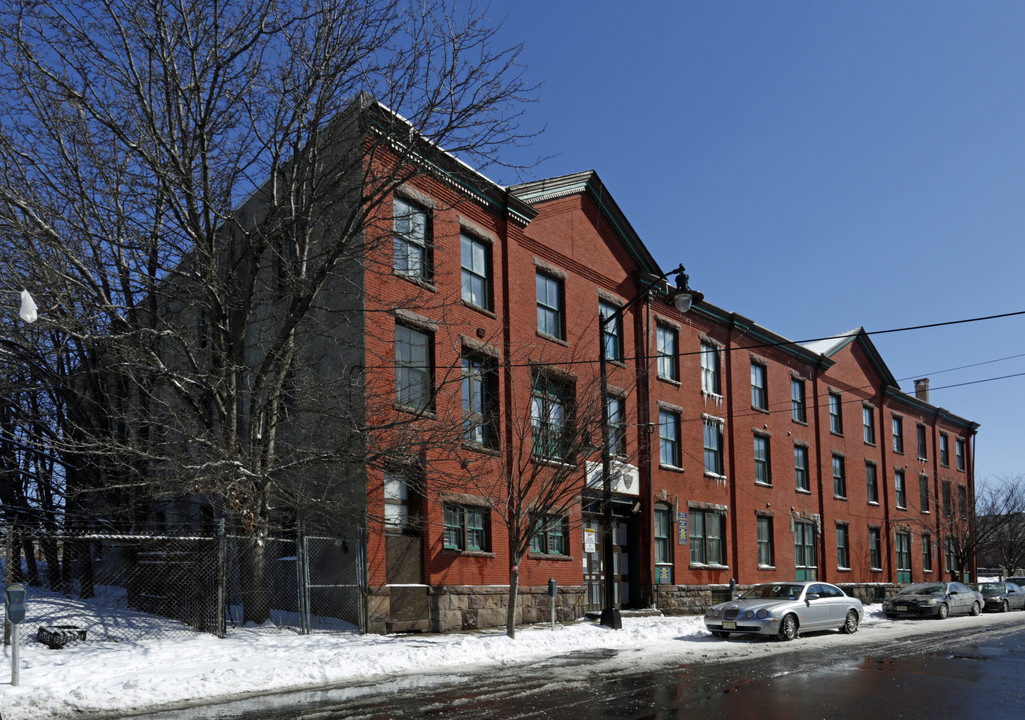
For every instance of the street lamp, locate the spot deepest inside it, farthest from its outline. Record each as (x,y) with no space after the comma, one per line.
(682,297)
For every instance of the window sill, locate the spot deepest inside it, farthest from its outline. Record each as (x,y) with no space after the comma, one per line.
(760,410)
(922,459)
(802,491)
(840,497)
(546,336)
(715,476)
(708,566)
(834,433)
(771,568)
(878,570)
(763,484)
(425,412)
(668,380)
(870,444)
(483,449)
(843,569)
(671,468)
(481,310)
(904,509)
(543,556)
(420,282)
(795,421)
(873,503)
(469,553)
(716,397)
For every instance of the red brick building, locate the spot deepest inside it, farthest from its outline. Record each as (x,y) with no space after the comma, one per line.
(753,458)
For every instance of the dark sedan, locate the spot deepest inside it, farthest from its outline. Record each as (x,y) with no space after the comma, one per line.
(933,599)
(1001,596)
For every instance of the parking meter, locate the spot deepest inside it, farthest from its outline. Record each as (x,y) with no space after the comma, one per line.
(553,588)
(14,599)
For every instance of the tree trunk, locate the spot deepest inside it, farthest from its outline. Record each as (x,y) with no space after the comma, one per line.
(255,595)
(54,575)
(514,585)
(30,560)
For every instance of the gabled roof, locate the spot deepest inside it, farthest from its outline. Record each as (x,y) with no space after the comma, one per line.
(830,346)
(588,183)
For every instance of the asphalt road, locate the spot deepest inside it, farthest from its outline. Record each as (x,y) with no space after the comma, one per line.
(966,672)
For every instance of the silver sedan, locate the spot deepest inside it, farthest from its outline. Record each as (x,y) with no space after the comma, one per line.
(933,599)
(783,609)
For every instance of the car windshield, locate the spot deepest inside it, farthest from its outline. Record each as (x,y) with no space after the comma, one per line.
(988,589)
(925,589)
(770,591)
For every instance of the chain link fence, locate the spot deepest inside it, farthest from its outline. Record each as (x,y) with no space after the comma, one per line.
(133,587)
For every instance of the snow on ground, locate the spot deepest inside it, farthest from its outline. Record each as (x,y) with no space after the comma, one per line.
(118,677)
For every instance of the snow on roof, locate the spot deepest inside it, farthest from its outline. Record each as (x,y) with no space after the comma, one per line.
(828,345)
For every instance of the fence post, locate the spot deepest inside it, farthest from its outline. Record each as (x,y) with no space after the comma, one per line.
(8,577)
(302,580)
(222,629)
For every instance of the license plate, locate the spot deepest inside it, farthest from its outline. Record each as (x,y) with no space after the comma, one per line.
(729,626)
(902,608)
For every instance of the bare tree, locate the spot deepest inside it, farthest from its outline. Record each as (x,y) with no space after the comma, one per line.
(1000,522)
(196,193)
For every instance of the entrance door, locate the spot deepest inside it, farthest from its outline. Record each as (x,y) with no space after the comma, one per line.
(408,602)
(593,577)
(903,543)
(806,567)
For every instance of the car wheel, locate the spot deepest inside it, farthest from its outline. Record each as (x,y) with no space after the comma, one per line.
(975,608)
(1006,607)
(788,627)
(850,625)
(942,612)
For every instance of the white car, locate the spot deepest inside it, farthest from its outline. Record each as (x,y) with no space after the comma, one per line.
(783,609)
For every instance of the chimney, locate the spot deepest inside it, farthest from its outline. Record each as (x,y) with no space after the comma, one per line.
(922,389)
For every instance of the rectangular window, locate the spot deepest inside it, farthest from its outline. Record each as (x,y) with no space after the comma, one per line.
(476,264)
(875,555)
(945,490)
(900,489)
(927,553)
(839,477)
(713,446)
(923,493)
(835,414)
(663,538)
(922,450)
(669,438)
(872,483)
(465,528)
(962,502)
(763,468)
(898,434)
(797,406)
(801,480)
(611,331)
(668,353)
(549,413)
(710,381)
(549,306)
(480,401)
(902,547)
(707,533)
(765,552)
(843,548)
(412,240)
(550,536)
(759,395)
(413,371)
(950,556)
(616,407)
(868,421)
(944,450)
(959,453)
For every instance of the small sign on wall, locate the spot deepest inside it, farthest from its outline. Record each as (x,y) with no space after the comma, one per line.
(681,528)
(590,540)
(663,575)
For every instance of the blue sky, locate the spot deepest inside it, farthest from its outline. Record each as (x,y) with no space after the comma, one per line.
(817,166)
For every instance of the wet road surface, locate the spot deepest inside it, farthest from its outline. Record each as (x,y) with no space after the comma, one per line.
(969,673)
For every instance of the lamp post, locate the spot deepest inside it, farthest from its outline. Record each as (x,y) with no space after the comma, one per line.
(682,297)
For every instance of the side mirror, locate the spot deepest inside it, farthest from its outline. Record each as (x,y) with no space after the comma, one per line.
(812,596)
